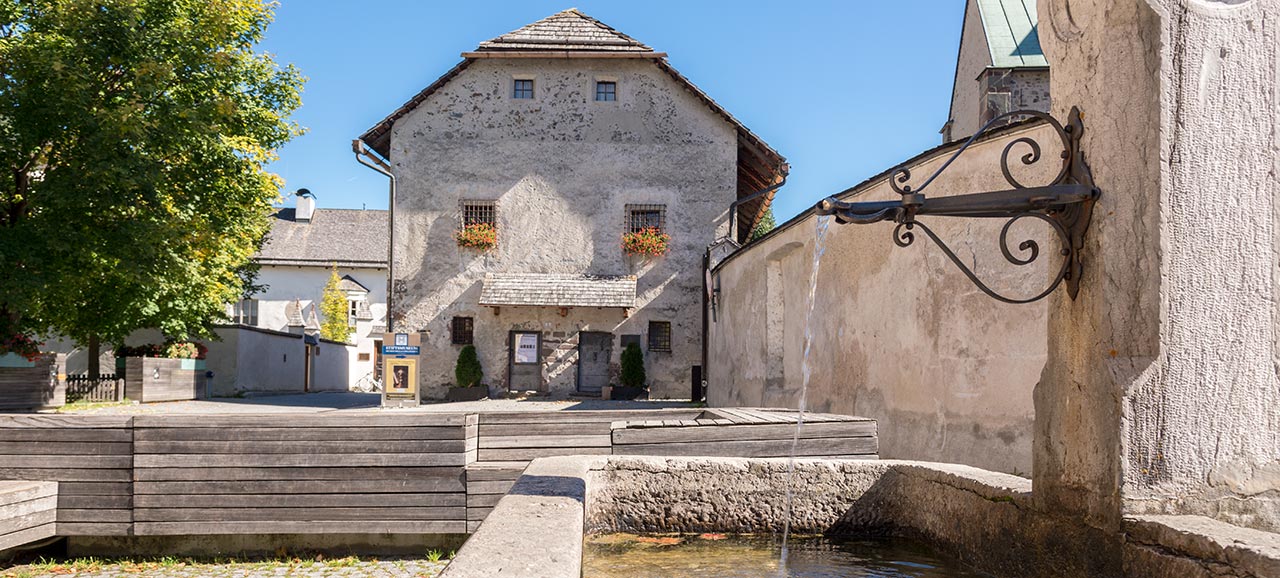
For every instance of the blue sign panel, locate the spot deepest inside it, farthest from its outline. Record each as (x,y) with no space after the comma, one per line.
(400,350)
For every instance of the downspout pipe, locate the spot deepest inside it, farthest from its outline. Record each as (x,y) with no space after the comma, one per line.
(785,169)
(367,158)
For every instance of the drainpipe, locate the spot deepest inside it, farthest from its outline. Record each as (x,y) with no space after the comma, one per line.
(367,158)
(785,169)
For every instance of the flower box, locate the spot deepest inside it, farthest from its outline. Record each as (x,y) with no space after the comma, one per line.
(149,379)
(482,236)
(650,242)
(34,384)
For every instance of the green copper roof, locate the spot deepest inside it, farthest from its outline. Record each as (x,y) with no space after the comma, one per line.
(1011,33)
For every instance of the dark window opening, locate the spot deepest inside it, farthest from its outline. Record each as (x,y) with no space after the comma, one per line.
(479,212)
(659,336)
(463,330)
(523,88)
(641,217)
(606,91)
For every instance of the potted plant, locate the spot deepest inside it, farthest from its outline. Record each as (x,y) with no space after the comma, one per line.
(467,375)
(633,378)
(482,236)
(649,241)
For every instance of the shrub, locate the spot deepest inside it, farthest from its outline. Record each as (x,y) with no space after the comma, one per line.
(650,241)
(482,236)
(170,349)
(633,367)
(20,344)
(468,371)
(335,309)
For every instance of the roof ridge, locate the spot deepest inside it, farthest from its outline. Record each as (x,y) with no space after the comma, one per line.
(546,32)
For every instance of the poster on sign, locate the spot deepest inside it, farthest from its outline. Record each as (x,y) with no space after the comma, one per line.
(526,348)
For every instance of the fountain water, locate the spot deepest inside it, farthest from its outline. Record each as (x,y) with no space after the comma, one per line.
(821,224)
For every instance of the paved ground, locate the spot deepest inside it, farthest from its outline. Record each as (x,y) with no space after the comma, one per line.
(351,401)
(341,567)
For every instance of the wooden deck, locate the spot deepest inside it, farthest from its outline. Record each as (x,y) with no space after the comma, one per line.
(353,472)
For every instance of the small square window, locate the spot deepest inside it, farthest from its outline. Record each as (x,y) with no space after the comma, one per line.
(523,88)
(245,312)
(462,330)
(479,212)
(659,336)
(641,217)
(606,91)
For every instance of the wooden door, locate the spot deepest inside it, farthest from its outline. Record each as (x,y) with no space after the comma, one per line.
(594,350)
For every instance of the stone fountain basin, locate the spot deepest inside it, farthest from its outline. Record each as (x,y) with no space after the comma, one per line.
(986,519)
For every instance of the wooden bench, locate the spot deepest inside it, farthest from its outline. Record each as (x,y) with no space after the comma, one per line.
(28,512)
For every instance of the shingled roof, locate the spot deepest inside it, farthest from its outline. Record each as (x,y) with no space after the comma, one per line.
(571,33)
(569,30)
(345,237)
(552,290)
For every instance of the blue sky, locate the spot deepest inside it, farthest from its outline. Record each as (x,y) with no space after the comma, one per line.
(843,89)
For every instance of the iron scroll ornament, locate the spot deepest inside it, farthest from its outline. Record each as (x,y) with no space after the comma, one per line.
(1065,204)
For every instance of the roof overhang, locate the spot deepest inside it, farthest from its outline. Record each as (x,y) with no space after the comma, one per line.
(557,290)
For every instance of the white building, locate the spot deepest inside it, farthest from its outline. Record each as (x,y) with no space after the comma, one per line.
(300,252)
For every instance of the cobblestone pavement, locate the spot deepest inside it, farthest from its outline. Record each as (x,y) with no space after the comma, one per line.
(338,568)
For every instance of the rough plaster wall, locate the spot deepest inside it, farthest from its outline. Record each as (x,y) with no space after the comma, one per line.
(974,57)
(1161,391)
(1028,89)
(900,335)
(561,167)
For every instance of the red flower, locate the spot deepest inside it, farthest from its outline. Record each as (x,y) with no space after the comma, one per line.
(483,236)
(650,241)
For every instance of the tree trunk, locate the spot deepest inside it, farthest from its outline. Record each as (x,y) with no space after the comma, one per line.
(95,352)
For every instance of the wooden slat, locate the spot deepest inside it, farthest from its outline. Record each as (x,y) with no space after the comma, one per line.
(299,447)
(64,461)
(94,488)
(23,507)
(354,485)
(64,474)
(11,524)
(504,474)
(297,514)
(756,448)
(279,500)
(478,514)
(534,453)
(570,416)
(352,419)
(546,441)
(8,449)
(26,536)
(65,421)
(95,502)
(742,432)
(524,429)
(245,434)
(94,528)
(65,515)
(311,527)
(368,475)
(150,461)
(483,500)
(50,435)
(490,487)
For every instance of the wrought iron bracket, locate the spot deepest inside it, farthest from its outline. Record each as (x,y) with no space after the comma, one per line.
(1065,204)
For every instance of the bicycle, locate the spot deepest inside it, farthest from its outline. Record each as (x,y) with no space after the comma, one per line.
(368,384)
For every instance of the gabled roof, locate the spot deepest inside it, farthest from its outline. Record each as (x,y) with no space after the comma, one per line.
(345,237)
(347,283)
(1012,33)
(569,30)
(572,34)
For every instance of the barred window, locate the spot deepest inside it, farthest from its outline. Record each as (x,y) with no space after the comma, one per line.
(640,217)
(659,336)
(606,91)
(479,212)
(523,88)
(462,330)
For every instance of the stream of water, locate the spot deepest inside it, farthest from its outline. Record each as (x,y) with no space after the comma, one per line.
(822,223)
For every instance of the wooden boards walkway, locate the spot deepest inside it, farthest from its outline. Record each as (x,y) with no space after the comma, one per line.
(356,472)
(28,512)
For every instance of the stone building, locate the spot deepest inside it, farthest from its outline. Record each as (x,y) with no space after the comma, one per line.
(564,135)
(1000,66)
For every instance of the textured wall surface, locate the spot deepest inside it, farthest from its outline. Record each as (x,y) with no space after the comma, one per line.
(1161,394)
(973,58)
(899,334)
(562,168)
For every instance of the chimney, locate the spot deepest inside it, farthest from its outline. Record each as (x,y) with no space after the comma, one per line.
(306,206)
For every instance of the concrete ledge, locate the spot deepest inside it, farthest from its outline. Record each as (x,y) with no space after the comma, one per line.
(1195,546)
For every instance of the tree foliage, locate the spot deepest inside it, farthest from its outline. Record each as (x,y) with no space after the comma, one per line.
(766,224)
(633,367)
(468,372)
(135,136)
(334,309)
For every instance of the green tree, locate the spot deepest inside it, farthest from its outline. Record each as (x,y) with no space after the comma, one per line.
(468,371)
(334,309)
(633,367)
(135,136)
(765,225)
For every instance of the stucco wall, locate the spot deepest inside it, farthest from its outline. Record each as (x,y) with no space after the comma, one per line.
(561,167)
(1160,393)
(899,334)
(973,58)
(258,361)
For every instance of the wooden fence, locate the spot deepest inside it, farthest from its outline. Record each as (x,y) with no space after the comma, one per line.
(108,387)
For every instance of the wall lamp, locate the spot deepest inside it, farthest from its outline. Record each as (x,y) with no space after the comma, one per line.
(1065,204)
